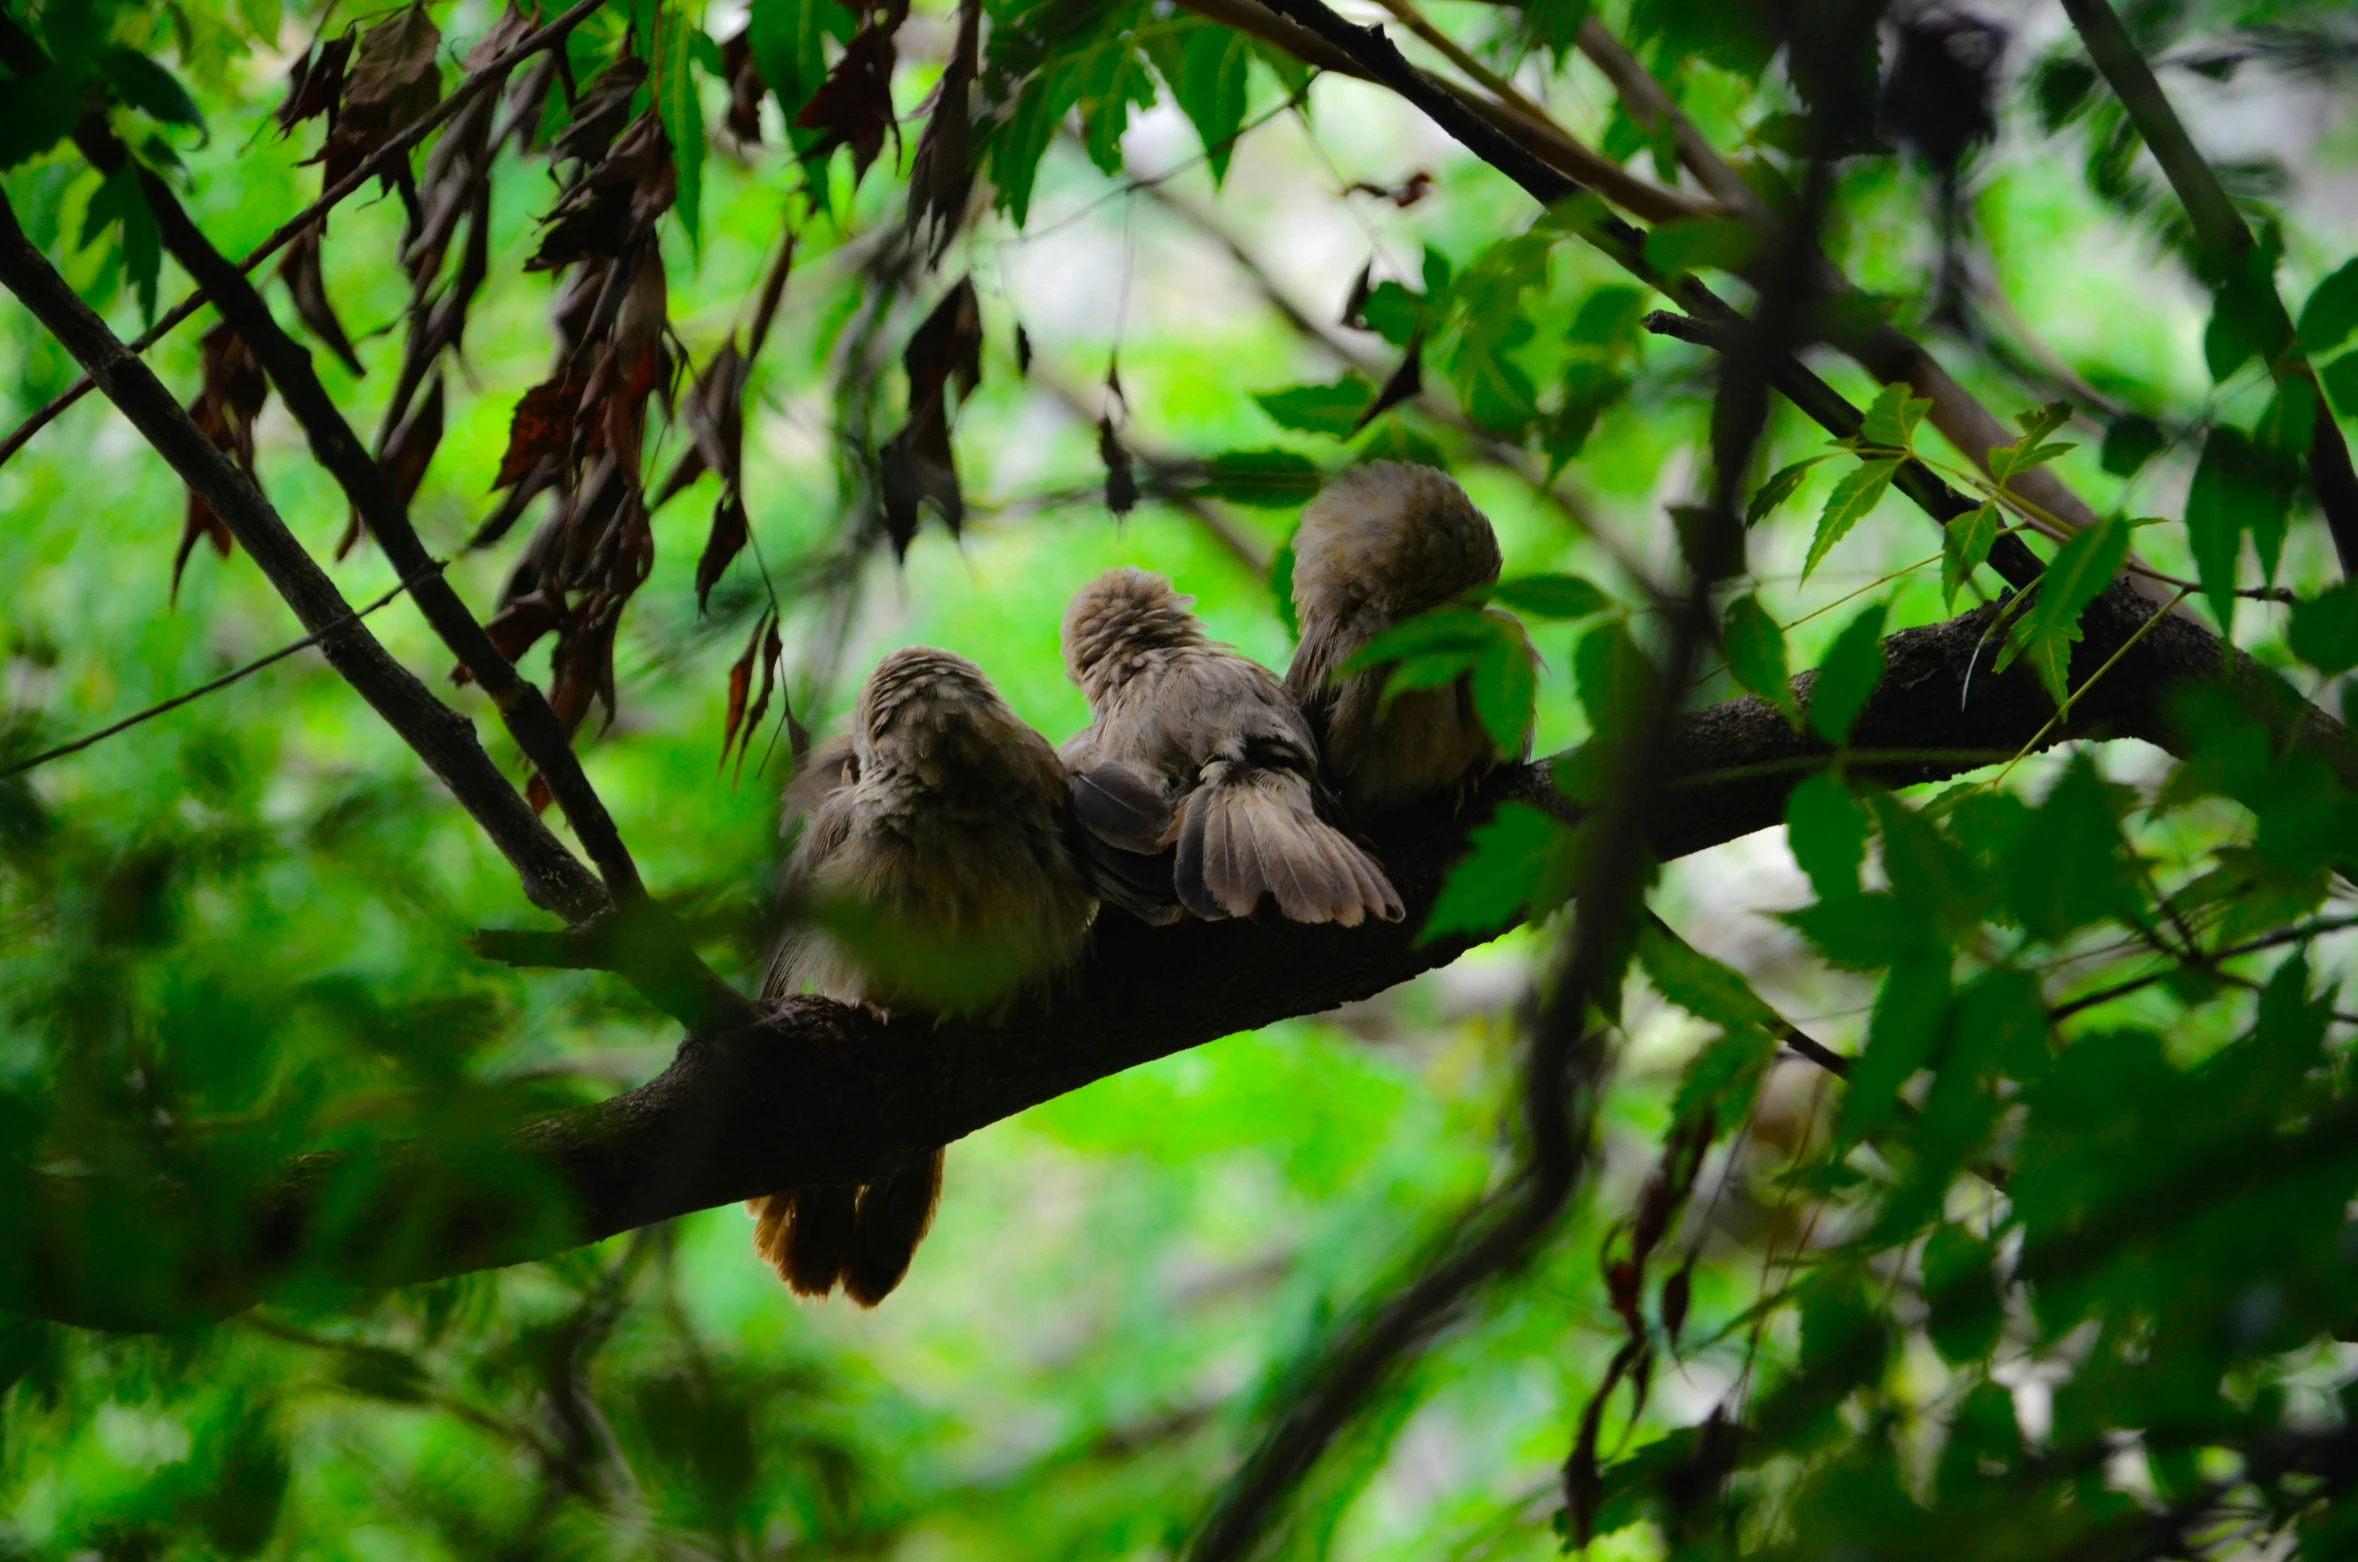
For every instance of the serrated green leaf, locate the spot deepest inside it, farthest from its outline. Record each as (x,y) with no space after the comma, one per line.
(1113,79)
(1208,79)
(2130,441)
(683,121)
(1756,655)
(1394,313)
(1520,859)
(1860,932)
(1562,597)
(1848,676)
(2069,866)
(2324,630)
(786,38)
(1910,1013)
(1891,421)
(2225,348)
(2077,575)
(1506,686)
(1450,627)
(1965,546)
(1723,1076)
(2339,379)
(1721,243)
(2331,313)
(1826,830)
(1319,409)
(148,87)
(1436,669)
(1781,487)
(1699,984)
(2039,422)
(1617,682)
(1860,490)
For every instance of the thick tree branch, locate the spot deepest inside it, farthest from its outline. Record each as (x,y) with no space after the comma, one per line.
(395,147)
(553,877)
(817,1093)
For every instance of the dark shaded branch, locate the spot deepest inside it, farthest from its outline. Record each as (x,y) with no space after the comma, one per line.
(395,146)
(816,1093)
(2223,239)
(553,877)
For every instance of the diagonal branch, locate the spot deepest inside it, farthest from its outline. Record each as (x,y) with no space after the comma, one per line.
(2223,239)
(553,877)
(396,146)
(382,509)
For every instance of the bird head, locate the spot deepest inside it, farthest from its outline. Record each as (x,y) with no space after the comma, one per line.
(1393,536)
(931,712)
(1118,622)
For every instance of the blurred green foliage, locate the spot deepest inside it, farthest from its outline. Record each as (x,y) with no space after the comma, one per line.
(2062,1266)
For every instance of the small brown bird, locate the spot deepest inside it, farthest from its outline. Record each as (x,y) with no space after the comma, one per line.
(933,872)
(1382,543)
(1198,779)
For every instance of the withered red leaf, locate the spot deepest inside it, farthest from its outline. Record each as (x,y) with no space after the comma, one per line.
(941,180)
(740,685)
(771,646)
(405,454)
(541,429)
(1121,483)
(730,528)
(316,84)
(1404,384)
(1676,1293)
(745,87)
(518,626)
(853,106)
(395,77)
(302,271)
(601,112)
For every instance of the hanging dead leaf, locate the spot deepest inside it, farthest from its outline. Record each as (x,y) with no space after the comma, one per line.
(394,78)
(745,88)
(1404,384)
(1362,287)
(853,106)
(601,112)
(405,455)
(948,346)
(518,626)
(302,271)
(1405,194)
(771,648)
(1023,353)
(917,464)
(541,428)
(741,684)
(730,528)
(613,205)
(941,180)
(316,84)
(526,102)
(1676,1293)
(1121,484)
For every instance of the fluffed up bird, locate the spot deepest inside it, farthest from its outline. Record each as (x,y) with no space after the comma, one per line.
(933,871)
(1196,785)
(1382,543)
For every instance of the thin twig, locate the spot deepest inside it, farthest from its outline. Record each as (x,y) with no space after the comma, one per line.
(2282,936)
(201,690)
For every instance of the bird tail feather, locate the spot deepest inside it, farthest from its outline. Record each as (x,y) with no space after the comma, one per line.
(1255,833)
(861,1238)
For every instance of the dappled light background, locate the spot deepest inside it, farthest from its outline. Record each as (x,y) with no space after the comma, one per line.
(254,909)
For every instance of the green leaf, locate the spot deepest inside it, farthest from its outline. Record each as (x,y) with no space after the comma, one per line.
(2069,866)
(786,36)
(1723,1076)
(1860,932)
(1394,313)
(1563,597)
(1281,588)
(1699,984)
(148,87)
(1721,243)
(1891,421)
(2075,577)
(1848,676)
(2339,379)
(1450,627)
(1756,655)
(121,203)
(1781,487)
(2229,497)
(1207,75)
(1610,318)
(1272,479)
(1113,78)
(1426,670)
(2331,313)
(1617,682)
(35,115)
(2225,348)
(1909,1015)
(1826,830)
(1858,492)
(1930,874)
(1965,546)
(1018,145)
(1506,686)
(2130,441)
(1319,409)
(2324,630)
(1520,858)
(683,121)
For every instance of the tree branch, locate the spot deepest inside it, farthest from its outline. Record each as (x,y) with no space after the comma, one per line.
(553,877)
(395,146)
(816,1093)
(2224,239)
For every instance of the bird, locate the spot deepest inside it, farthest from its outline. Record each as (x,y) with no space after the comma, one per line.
(1196,782)
(1381,543)
(933,870)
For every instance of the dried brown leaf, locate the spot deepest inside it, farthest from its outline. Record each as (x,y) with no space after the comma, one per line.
(853,106)
(1405,383)
(541,428)
(316,84)
(302,271)
(730,528)
(740,684)
(941,180)
(601,112)
(917,464)
(1121,483)
(947,347)
(745,88)
(394,78)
